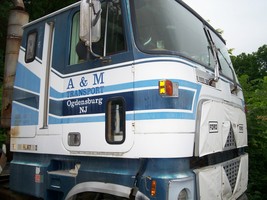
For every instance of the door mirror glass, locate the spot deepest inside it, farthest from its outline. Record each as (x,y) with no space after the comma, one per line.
(90,21)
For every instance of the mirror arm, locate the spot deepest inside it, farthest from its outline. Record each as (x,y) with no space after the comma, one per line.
(90,49)
(106,31)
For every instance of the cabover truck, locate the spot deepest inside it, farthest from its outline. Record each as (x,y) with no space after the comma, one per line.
(123,99)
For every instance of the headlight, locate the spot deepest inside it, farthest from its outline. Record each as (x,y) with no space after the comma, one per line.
(182,189)
(183,195)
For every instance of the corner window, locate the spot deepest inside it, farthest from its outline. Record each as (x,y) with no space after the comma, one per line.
(224,58)
(31,47)
(115,121)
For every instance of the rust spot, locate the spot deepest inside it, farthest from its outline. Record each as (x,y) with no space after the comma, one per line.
(14,132)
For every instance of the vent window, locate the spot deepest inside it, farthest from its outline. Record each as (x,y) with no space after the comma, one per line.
(31,47)
(115,121)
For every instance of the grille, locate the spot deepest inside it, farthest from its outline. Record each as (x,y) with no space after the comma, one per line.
(230,142)
(231,169)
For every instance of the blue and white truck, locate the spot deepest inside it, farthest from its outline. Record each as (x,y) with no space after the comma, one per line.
(123,99)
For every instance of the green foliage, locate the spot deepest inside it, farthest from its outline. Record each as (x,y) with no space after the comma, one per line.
(251,69)
(37,8)
(3,137)
(257,127)
(4,12)
(2,52)
(254,65)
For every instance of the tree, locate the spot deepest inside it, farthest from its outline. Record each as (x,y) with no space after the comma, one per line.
(251,69)
(262,60)
(4,12)
(257,129)
(35,8)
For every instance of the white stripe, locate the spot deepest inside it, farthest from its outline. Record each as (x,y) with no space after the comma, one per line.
(91,70)
(163,110)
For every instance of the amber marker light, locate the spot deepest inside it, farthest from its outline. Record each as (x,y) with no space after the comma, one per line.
(153,188)
(168,88)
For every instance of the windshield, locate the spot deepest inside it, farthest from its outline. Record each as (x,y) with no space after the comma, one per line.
(168,27)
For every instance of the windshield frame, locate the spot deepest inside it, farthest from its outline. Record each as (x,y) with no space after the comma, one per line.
(177,53)
(205,25)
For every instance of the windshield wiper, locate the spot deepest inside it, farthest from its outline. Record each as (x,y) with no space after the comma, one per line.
(233,74)
(214,53)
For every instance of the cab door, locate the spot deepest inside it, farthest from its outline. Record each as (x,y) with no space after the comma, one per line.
(97,110)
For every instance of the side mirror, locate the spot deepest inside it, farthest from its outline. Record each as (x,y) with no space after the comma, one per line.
(90,21)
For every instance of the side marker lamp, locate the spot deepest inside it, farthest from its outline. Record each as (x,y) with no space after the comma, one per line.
(153,190)
(168,88)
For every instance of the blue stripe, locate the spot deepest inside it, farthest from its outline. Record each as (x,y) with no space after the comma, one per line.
(129,117)
(26,79)
(129,86)
(150,99)
(147,83)
(26,98)
(20,112)
(138,100)
(164,115)
(71,120)
(55,94)
(23,116)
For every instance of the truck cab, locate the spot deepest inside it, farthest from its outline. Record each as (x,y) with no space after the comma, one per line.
(127,99)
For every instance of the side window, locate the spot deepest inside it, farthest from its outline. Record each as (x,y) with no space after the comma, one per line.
(114,28)
(75,32)
(31,47)
(223,56)
(112,39)
(115,121)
